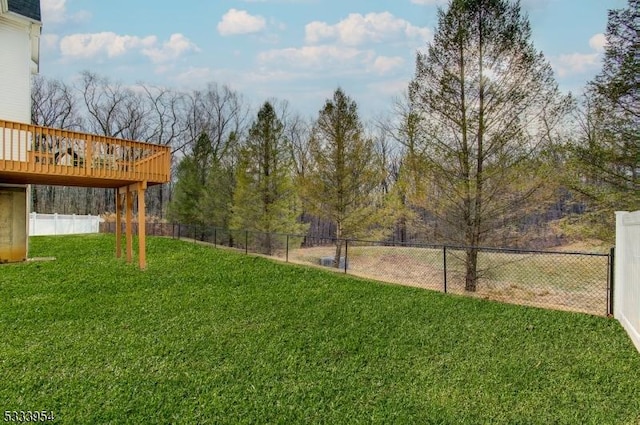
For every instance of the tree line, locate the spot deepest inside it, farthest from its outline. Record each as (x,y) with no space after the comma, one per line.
(483,149)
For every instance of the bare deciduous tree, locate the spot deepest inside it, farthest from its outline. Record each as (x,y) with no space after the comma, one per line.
(486,99)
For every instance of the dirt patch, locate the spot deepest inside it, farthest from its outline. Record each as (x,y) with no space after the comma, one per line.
(588,245)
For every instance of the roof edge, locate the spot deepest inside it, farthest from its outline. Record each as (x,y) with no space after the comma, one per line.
(28,9)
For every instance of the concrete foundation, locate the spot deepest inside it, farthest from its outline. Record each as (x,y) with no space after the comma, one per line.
(13,224)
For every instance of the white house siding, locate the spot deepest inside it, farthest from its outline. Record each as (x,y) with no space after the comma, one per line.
(15,70)
(15,85)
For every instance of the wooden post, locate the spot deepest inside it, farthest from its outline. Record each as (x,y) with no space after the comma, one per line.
(118,224)
(142,231)
(129,202)
(88,157)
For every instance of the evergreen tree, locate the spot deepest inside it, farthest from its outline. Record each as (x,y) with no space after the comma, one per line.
(343,184)
(215,200)
(191,180)
(619,82)
(487,103)
(606,157)
(265,198)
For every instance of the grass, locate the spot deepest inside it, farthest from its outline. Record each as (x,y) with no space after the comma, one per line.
(211,336)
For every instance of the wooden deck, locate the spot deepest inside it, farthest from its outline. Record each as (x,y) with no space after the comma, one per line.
(31,154)
(39,155)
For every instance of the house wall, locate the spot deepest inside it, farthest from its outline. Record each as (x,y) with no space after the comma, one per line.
(16,66)
(15,71)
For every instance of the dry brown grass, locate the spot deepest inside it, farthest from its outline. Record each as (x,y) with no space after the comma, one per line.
(556,281)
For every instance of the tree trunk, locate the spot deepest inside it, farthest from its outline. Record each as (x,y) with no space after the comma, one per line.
(35,205)
(161,202)
(50,195)
(475,212)
(268,243)
(471,275)
(402,230)
(336,260)
(88,201)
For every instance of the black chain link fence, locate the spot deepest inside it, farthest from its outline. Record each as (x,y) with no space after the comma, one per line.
(573,281)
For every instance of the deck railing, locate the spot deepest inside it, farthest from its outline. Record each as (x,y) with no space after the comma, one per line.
(28,149)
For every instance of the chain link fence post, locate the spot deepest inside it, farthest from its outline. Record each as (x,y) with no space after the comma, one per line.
(611,280)
(346,254)
(444,266)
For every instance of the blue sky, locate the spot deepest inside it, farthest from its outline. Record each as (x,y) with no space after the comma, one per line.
(294,50)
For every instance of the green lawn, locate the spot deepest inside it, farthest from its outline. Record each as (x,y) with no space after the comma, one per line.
(211,336)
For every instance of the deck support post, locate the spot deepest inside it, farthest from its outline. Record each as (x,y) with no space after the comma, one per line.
(128,231)
(142,240)
(118,224)
(127,192)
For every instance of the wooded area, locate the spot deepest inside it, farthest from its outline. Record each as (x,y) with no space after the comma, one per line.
(482,150)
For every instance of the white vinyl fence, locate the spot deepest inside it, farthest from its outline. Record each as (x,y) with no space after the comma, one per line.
(62,224)
(626,303)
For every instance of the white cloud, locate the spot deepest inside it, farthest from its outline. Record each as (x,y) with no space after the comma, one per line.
(55,12)
(347,47)
(176,46)
(328,58)
(270,76)
(112,45)
(384,64)
(91,45)
(422,34)
(430,2)
(192,76)
(580,63)
(359,29)
(598,42)
(319,57)
(317,31)
(389,88)
(49,41)
(240,22)
(575,63)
